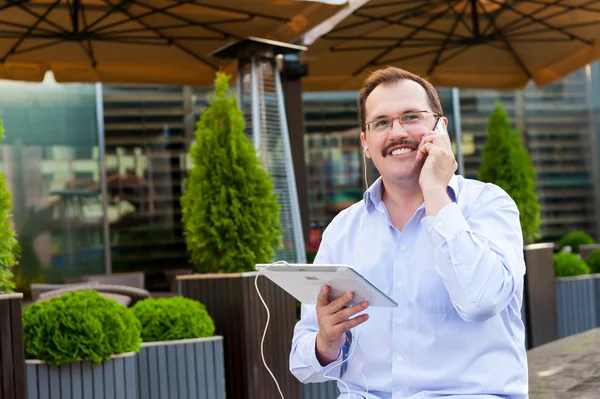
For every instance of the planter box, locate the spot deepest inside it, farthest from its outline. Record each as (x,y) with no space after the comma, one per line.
(325,390)
(539,295)
(577,302)
(184,369)
(12,357)
(240,317)
(115,379)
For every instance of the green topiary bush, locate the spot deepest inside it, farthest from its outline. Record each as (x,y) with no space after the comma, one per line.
(168,319)
(9,247)
(79,326)
(566,264)
(506,163)
(230,213)
(593,261)
(575,239)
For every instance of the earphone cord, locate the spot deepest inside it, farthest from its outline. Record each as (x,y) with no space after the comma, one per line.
(365,167)
(262,352)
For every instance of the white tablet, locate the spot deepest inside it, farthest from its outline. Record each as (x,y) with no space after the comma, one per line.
(304,281)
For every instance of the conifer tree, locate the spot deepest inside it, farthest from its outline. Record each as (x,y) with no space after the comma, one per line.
(506,163)
(8,239)
(230,213)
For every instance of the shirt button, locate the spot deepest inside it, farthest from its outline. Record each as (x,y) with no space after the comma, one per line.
(399,284)
(399,394)
(400,321)
(403,248)
(400,359)
(439,224)
(455,262)
(430,229)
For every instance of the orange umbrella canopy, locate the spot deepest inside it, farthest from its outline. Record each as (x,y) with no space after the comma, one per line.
(500,44)
(141,41)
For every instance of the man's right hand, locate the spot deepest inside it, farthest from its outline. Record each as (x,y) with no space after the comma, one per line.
(334,321)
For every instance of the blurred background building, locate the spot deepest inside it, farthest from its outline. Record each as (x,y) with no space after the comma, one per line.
(51,161)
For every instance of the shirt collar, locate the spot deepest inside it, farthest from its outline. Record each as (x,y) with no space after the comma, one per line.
(372,196)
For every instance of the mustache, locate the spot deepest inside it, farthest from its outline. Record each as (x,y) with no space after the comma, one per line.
(386,149)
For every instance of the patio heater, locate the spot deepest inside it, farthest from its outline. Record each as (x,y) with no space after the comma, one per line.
(260,97)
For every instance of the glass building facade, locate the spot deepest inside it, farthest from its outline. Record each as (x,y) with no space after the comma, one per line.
(51,160)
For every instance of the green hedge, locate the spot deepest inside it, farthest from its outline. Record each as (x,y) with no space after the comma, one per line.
(593,261)
(568,264)
(168,319)
(575,239)
(79,326)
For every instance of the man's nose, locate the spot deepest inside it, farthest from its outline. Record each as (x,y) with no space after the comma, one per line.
(397,129)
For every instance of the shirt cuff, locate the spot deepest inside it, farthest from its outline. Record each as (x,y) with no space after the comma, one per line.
(309,355)
(447,223)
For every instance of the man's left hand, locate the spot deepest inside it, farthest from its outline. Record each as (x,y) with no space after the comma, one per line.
(440,163)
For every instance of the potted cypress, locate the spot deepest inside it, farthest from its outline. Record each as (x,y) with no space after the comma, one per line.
(230,218)
(180,355)
(81,344)
(12,362)
(506,163)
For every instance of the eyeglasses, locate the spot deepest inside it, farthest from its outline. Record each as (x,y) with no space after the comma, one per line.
(410,121)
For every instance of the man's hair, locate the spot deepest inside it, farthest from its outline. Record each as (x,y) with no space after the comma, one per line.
(389,77)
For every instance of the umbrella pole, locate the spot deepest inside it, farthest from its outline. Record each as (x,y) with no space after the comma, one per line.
(102,161)
(458,130)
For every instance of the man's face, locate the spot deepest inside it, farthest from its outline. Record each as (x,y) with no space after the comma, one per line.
(392,146)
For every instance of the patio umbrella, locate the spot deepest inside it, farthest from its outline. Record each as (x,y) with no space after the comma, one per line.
(500,44)
(141,41)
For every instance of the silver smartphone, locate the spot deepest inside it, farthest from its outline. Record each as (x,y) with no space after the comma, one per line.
(440,127)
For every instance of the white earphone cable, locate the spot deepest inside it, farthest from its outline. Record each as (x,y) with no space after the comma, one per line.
(262,353)
(262,342)
(365,167)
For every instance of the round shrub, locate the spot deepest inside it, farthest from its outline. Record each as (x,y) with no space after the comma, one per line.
(575,239)
(593,261)
(79,325)
(168,319)
(567,264)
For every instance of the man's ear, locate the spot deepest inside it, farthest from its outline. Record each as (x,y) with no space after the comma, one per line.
(363,142)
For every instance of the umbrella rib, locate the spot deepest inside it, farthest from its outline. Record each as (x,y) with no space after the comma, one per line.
(535,12)
(35,14)
(456,54)
(367,48)
(408,25)
(373,61)
(234,11)
(12,4)
(170,41)
(392,3)
(507,43)
(138,17)
(16,25)
(415,55)
(414,12)
(89,51)
(38,47)
(511,26)
(546,24)
(542,30)
(106,14)
(29,31)
(493,16)
(567,7)
(447,39)
(191,21)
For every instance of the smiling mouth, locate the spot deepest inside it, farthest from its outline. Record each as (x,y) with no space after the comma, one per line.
(402,151)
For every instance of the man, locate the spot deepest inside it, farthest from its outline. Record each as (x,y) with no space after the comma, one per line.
(448,250)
